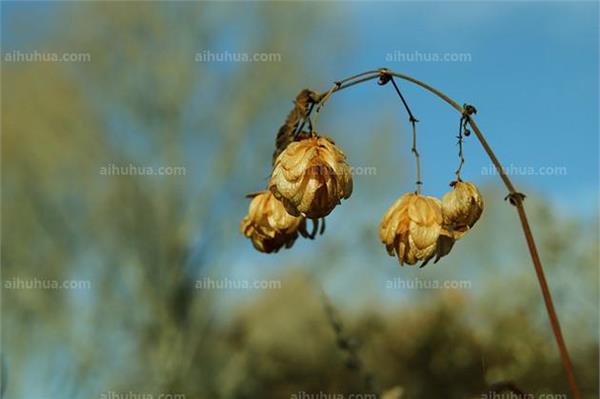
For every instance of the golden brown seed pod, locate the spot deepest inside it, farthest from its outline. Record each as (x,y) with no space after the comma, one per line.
(411,229)
(461,208)
(310,177)
(268,224)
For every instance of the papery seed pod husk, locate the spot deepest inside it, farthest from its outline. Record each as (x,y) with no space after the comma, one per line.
(444,245)
(411,227)
(269,225)
(285,135)
(310,177)
(461,208)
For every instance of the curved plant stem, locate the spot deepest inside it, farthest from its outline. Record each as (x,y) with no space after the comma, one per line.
(516,198)
(417,156)
(461,158)
(413,121)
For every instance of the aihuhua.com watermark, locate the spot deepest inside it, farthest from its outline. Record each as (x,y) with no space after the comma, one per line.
(228,56)
(513,395)
(326,395)
(426,284)
(40,56)
(516,170)
(17,283)
(319,170)
(363,170)
(140,395)
(137,170)
(418,56)
(208,283)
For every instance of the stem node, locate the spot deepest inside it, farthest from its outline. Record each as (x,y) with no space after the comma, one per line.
(515,198)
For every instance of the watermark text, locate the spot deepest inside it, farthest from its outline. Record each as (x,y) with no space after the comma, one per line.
(426,284)
(40,56)
(208,283)
(517,170)
(418,56)
(17,283)
(139,170)
(208,56)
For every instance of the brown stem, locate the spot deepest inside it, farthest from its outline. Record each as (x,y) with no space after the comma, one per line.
(461,158)
(348,347)
(417,157)
(413,122)
(516,199)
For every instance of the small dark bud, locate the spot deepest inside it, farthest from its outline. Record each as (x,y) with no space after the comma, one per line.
(469,109)
(384,77)
(515,198)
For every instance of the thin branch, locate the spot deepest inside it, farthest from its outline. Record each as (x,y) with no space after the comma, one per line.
(375,72)
(411,117)
(349,82)
(322,103)
(413,122)
(419,183)
(343,84)
(461,158)
(305,121)
(347,346)
(516,198)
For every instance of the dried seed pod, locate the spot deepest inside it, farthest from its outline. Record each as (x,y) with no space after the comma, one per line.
(302,106)
(461,208)
(310,177)
(444,244)
(411,229)
(269,225)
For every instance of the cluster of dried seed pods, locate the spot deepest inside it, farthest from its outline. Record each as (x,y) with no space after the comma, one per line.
(310,177)
(417,228)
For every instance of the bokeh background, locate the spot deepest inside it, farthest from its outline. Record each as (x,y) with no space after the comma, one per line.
(161,84)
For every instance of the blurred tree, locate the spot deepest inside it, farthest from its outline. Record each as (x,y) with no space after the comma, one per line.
(142,100)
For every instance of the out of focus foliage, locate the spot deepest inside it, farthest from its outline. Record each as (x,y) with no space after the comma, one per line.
(142,241)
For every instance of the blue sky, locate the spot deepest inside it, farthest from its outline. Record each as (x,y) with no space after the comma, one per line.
(532,73)
(533,76)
